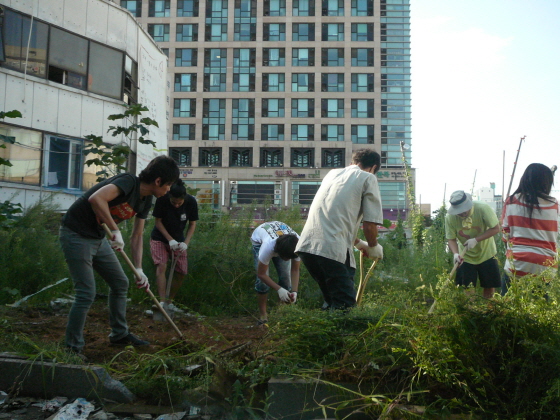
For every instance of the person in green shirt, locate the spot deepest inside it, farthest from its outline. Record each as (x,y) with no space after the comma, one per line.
(471,225)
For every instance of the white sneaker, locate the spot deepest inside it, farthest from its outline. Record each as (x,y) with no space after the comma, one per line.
(175,309)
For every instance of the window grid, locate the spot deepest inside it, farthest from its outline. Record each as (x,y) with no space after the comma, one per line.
(273,82)
(273,132)
(332,132)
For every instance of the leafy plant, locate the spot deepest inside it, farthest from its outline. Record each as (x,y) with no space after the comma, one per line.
(116,156)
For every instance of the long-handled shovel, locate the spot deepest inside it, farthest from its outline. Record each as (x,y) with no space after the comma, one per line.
(462,254)
(364,280)
(148,291)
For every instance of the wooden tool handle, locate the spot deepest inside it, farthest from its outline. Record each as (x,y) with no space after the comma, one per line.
(148,291)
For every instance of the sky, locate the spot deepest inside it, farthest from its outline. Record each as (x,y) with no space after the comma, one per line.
(485,73)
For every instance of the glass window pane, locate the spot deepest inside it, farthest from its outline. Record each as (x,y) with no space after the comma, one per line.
(69,52)
(105,71)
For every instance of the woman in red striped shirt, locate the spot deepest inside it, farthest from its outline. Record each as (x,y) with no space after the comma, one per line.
(530,225)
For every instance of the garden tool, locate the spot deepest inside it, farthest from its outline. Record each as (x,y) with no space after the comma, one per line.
(364,280)
(148,291)
(157,316)
(462,254)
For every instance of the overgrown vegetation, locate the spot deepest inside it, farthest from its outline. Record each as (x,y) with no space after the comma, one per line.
(497,359)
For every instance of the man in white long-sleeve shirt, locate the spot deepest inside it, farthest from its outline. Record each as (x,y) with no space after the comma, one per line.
(345,197)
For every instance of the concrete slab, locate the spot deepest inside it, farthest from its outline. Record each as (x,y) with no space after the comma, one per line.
(47,380)
(299,399)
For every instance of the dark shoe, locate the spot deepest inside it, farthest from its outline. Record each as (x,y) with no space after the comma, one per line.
(262,323)
(76,352)
(129,340)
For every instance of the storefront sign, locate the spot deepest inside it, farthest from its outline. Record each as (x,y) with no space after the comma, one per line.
(400,175)
(289,173)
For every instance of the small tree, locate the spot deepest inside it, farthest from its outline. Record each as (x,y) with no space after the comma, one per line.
(114,159)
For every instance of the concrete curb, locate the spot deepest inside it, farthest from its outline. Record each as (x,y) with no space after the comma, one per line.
(304,399)
(48,380)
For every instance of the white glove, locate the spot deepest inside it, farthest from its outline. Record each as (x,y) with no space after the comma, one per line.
(284,295)
(375,251)
(457,259)
(117,242)
(361,245)
(174,245)
(293,297)
(183,246)
(470,243)
(142,281)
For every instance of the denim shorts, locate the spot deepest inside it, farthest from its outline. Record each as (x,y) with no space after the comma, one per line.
(282,268)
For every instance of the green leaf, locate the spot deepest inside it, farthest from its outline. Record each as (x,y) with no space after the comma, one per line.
(116,117)
(10,114)
(5,162)
(8,139)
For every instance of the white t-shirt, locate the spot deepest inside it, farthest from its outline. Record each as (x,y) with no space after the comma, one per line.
(266,236)
(345,197)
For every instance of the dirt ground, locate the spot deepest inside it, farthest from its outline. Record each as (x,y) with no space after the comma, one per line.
(48,325)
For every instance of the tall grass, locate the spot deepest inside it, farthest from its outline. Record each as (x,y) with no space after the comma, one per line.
(496,359)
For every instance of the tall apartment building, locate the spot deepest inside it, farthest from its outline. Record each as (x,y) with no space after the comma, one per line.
(267,96)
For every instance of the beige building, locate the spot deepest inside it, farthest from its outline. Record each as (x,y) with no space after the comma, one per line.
(265,97)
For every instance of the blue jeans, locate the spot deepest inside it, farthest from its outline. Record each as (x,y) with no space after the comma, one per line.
(282,268)
(83,255)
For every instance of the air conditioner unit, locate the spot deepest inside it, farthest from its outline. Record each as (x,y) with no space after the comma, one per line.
(277,191)
(233,182)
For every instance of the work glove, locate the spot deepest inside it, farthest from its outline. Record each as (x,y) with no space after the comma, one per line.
(174,245)
(284,295)
(293,297)
(361,245)
(457,259)
(116,241)
(142,281)
(470,243)
(183,246)
(375,251)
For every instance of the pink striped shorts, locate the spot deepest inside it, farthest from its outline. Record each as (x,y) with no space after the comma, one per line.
(161,253)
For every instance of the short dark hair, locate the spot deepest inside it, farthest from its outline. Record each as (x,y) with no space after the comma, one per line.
(286,245)
(162,167)
(366,158)
(178,190)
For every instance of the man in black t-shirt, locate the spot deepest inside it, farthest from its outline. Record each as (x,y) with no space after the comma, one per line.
(86,248)
(173,212)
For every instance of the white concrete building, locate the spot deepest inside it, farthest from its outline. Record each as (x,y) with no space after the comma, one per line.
(67,65)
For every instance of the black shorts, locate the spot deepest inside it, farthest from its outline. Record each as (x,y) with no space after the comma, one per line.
(488,272)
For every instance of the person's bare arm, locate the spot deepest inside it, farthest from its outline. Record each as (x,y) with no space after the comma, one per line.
(453,246)
(161,228)
(136,241)
(99,201)
(190,231)
(370,232)
(489,233)
(261,274)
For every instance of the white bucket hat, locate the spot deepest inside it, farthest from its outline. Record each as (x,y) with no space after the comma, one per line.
(460,202)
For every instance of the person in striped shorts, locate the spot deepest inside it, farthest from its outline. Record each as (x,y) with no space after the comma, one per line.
(530,225)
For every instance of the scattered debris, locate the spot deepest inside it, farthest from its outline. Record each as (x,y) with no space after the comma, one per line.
(51,406)
(19,302)
(77,410)
(60,303)
(173,416)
